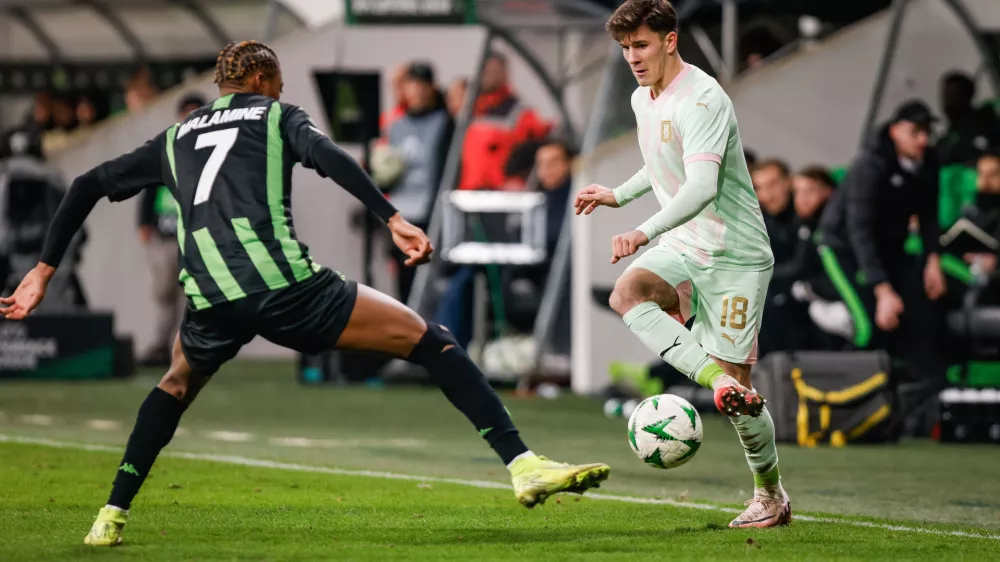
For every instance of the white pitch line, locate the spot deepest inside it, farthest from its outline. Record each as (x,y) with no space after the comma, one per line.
(103,425)
(261,463)
(306,442)
(36,419)
(230,436)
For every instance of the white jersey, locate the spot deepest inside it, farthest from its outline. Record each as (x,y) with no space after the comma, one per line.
(692,120)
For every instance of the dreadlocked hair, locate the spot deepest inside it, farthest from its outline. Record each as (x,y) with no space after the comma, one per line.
(241,59)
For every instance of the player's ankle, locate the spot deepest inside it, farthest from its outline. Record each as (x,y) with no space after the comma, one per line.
(524,455)
(722,380)
(773,491)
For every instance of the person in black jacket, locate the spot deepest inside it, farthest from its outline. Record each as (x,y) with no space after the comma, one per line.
(773,185)
(863,231)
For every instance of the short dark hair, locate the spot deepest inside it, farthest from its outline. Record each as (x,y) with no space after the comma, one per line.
(962,81)
(561,143)
(991,152)
(781,165)
(820,174)
(658,15)
(189,100)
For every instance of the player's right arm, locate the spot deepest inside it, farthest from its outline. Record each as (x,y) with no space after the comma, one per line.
(595,195)
(316,151)
(118,180)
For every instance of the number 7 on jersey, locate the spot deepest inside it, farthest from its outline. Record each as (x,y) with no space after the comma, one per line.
(223,142)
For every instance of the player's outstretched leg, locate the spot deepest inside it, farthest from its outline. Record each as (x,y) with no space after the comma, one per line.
(380,323)
(641,297)
(769,506)
(154,427)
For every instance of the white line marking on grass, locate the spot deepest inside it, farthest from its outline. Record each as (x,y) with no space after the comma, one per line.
(103,425)
(230,436)
(36,419)
(340,443)
(261,463)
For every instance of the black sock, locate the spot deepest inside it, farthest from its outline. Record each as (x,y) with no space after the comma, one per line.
(154,428)
(468,390)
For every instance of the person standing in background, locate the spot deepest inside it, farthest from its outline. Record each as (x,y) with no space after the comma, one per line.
(158,234)
(863,230)
(421,136)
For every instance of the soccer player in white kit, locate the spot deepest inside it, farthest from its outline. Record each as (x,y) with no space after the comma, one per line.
(714,258)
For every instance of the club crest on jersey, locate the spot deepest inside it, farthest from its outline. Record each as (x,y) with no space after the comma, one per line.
(666,131)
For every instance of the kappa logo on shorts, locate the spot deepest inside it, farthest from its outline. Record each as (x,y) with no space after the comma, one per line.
(666,131)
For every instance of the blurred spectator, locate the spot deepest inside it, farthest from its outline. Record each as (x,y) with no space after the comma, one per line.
(773,185)
(525,285)
(421,137)
(750,157)
(456,96)
(500,122)
(158,234)
(64,123)
(812,188)
(986,215)
(140,91)
(553,166)
(522,285)
(398,100)
(41,114)
(865,227)
(519,165)
(30,193)
(86,112)
(971,130)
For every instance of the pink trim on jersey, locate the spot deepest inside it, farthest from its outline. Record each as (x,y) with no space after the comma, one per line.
(677,80)
(703,157)
(669,91)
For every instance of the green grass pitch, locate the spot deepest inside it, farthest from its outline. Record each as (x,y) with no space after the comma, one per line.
(265,469)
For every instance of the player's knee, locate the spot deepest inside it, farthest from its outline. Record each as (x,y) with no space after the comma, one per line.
(176,384)
(434,341)
(627,296)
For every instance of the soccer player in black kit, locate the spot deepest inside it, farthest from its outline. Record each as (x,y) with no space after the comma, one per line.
(245,274)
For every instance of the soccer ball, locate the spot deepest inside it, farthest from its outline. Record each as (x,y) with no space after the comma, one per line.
(665,431)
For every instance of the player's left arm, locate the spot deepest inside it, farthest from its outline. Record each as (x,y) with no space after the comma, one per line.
(118,180)
(316,151)
(703,123)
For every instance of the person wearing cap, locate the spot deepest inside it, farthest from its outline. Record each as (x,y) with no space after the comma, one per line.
(421,137)
(862,235)
(158,234)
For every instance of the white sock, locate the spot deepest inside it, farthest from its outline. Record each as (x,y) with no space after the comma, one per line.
(524,455)
(109,506)
(757,437)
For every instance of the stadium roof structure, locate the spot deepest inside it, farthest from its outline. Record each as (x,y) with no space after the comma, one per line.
(66,30)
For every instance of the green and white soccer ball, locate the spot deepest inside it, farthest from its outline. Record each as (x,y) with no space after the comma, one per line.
(665,431)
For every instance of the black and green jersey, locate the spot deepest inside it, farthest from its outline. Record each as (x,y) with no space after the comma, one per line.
(229,166)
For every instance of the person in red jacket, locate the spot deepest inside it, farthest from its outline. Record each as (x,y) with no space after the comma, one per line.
(500,122)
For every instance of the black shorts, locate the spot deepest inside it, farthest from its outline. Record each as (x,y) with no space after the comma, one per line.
(308,317)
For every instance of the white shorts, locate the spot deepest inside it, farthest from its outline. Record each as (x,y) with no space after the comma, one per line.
(728,305)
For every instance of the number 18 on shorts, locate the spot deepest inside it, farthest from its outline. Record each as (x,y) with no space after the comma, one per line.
(728,305)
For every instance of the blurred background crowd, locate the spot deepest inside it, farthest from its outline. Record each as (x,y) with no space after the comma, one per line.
(875,251)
